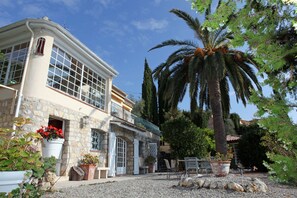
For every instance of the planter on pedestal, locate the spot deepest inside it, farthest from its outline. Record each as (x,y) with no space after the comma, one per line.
(52,147)
(10,180)
(150,162)
(220,168)
(89,170)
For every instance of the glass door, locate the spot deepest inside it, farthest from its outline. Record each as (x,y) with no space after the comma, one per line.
(121,156)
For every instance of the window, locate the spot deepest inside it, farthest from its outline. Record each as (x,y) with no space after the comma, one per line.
(12,65)
(40,46)
(116,110)
(97,137)
(72,77)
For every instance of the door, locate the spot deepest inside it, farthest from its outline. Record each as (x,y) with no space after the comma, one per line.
(153,151)
(111,154)
(136,157)
(121,156)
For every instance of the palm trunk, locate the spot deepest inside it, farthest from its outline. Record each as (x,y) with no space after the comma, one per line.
(217,113)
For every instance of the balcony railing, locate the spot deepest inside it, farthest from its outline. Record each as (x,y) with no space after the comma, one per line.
(138,121)
(119,112)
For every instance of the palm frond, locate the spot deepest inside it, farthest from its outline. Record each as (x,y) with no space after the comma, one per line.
(173,42)
(194,24)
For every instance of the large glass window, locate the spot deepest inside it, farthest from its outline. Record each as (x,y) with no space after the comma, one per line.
(97,139)
(12,64)
(72,77)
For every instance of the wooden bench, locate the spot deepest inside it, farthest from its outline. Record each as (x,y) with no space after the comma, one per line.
(101,172)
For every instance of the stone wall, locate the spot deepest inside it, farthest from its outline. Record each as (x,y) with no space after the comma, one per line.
(129,136)
(77,138)
(6,117)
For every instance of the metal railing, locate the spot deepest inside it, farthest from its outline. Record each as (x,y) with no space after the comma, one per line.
(120,112)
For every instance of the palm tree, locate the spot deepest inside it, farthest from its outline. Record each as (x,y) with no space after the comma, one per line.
(206,71)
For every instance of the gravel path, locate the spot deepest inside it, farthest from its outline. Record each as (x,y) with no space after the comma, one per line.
(159,186)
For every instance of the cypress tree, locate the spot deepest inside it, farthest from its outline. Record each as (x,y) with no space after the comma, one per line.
(150,110)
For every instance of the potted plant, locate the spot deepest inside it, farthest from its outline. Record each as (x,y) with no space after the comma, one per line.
(54,141)
(150,161)
(19,156)
(88,164)
(220,163)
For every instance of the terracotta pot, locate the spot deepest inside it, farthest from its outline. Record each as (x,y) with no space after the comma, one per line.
(220,168)
(89,170)
(151,168)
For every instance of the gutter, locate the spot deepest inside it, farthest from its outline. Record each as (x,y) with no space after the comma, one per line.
(20,96)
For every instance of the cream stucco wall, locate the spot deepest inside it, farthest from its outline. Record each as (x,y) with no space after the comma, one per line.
(35,84)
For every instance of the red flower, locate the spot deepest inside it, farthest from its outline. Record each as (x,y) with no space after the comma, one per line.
(50,132)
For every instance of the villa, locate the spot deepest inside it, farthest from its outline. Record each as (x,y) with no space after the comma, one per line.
(52,78)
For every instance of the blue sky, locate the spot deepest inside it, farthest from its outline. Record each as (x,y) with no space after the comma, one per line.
(119,32)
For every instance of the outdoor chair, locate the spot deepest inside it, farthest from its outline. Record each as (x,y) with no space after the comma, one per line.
(171,169)
(191,164)
(204,165)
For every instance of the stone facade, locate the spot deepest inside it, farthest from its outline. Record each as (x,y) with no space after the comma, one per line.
(129,136)
(77,139)
(6,116)
(45,103)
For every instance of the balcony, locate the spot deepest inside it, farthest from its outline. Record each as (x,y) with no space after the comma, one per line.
(140,122)
(118,112)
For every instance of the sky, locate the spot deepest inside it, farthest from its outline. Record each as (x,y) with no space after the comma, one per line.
(120,32)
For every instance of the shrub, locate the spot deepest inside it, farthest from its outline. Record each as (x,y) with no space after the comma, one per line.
(185,138)
(250,150)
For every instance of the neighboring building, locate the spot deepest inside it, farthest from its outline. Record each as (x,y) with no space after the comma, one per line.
(51,77)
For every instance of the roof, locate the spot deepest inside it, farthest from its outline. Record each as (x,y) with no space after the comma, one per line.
(232,138)
(21,26)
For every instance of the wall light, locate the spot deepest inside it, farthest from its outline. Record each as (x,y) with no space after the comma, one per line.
(84,121)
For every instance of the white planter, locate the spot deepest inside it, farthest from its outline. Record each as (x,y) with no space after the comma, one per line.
(52,148)
(220,168)
(10,180)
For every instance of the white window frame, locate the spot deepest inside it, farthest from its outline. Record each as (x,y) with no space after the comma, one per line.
(97,138)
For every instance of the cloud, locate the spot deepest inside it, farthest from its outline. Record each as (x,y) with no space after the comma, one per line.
(73,4)
(150,24)
(7,3)
(157,2)
(105,3)
(32,10)
(114,28)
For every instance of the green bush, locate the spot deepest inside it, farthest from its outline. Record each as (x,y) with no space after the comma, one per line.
(186,139)
(250,150)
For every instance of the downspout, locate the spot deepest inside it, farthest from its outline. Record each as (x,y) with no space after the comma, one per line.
(20,96)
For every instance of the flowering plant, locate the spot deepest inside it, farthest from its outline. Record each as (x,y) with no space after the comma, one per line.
(89,159)
(223,157)
(50,132)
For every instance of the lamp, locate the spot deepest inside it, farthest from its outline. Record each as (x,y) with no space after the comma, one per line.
(84,121)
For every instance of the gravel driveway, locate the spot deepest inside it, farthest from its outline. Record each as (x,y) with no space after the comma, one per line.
(159,186)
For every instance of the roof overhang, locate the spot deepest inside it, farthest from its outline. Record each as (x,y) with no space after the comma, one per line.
(20,26)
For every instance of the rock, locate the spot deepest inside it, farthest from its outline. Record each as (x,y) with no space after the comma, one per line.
(199,182)
(45,186)
(260,185)
(50,177)
(235,186)
(221,185)
(206,183)
(250,187)
(186,182)
(213,185)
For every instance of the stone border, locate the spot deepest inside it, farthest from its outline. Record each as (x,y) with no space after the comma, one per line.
(230,182)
